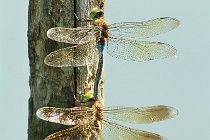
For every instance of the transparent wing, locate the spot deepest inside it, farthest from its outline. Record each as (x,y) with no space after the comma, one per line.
(66,116)
(114,131)
(132,30)
(80,55)
(140,115)
(139,50)
(75,133)
(79,35)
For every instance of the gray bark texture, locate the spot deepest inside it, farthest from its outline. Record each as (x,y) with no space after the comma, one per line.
(50,86)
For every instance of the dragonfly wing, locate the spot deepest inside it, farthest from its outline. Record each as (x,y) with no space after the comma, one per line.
(77,132)
(66,116)
(80,55)
(140,115)
(139,50)
(131,30)
(79,35)
(112,130)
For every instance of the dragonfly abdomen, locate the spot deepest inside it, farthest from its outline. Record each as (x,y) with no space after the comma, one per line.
(100,47)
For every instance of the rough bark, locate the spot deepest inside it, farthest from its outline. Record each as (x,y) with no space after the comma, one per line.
(51,86)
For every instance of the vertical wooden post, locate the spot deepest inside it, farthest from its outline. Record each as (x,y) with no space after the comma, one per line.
(82,9)
(51,86)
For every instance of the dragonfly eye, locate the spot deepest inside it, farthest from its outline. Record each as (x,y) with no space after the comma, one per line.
(96,13)
(86,98)
(99,14)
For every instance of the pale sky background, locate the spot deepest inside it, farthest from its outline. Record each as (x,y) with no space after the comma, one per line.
(181,82)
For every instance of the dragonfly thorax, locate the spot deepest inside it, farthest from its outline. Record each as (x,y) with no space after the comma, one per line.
(104,32)
(97,105)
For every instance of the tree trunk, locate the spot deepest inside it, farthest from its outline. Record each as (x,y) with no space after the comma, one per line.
(50,86)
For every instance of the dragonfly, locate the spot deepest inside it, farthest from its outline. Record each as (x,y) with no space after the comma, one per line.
(123,41)
(87,121)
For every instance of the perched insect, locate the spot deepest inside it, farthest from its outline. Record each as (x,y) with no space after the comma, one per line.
(88,121)
(123,41)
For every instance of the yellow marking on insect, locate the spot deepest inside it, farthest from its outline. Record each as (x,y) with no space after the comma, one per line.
(88,95)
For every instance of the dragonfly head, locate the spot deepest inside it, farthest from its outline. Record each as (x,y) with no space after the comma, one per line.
(88,96)
(96,13)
